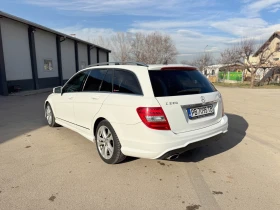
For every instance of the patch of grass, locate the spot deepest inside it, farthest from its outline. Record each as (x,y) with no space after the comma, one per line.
(246,85)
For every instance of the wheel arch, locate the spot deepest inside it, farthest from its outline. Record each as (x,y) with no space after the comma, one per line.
(97,121)
(49,101)
(46,103)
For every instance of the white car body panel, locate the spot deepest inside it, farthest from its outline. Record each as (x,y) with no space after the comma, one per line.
(153,144)
(79,111)
(63,106)
(75,128)
(86,106)
(123,108)
(177,113)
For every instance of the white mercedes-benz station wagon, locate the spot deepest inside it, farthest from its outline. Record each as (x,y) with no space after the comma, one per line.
(132,109)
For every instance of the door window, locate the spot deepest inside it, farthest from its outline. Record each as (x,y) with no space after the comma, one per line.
(107,82)
(76,83)
(95,79)
(126,82)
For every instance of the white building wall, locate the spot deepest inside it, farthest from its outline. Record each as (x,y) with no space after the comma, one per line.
(212,69)
(16,50)
(102,56)
(83,59)
(68,59)
(260,73)
(45,45)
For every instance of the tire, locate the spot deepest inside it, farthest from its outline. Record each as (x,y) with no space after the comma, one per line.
(50,116)
(108,144)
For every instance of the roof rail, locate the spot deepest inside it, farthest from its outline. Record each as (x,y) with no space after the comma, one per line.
(119,63)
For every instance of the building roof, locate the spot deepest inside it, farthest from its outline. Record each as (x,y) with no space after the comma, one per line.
(275,34)
(232,67)
(12,17)
(216,66)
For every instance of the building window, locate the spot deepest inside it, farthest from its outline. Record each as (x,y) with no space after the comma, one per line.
(48,65)
(278,46)
(276,59)
(213,72)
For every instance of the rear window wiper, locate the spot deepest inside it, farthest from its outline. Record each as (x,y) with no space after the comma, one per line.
(190,91)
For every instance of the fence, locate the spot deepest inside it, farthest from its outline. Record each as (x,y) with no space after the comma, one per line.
(233,76)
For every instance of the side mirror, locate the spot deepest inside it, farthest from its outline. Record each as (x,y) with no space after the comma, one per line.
(57,89)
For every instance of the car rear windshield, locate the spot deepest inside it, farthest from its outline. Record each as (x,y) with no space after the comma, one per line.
(179,82)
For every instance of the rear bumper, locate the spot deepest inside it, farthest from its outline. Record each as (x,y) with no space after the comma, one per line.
(140,141)
(191,146)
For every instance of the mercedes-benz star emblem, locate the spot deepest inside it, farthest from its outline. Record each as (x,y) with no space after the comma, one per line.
(203,99)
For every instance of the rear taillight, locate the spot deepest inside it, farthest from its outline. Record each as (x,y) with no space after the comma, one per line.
(153,117)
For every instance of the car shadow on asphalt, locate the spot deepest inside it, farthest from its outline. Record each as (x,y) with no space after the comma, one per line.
(20,115)
(236,133)
(129,159)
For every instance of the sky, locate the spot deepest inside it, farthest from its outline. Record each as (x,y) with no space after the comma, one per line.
(196,26)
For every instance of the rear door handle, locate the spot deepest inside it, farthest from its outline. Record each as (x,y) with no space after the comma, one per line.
(70,97)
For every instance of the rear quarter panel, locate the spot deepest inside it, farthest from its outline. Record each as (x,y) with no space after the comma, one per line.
(121,108)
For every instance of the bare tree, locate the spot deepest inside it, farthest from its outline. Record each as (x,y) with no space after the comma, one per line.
(101,41)
(168,50)
(138,48)
(185,62)
(202,61)
(242,53)
(153,48)
(121,46)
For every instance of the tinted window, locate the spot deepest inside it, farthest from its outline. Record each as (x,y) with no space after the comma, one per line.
(95,79)
(76,83)
(107,82)
(179,82)
(126,82)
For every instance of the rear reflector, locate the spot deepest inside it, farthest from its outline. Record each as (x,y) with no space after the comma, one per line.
(153,117)
(179,68)
(223,108)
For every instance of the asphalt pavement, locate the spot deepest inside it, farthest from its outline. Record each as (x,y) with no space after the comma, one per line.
(55,168)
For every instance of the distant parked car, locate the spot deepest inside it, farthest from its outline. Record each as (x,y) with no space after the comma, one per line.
(156,111)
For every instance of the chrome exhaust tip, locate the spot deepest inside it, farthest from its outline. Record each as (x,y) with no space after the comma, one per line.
(173,157)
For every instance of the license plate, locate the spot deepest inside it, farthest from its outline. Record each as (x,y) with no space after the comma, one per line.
(202,111)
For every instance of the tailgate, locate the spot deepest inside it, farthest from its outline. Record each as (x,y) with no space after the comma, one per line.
(176,111)
(189,100)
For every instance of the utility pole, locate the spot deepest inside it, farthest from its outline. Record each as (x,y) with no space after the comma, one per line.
(203,69)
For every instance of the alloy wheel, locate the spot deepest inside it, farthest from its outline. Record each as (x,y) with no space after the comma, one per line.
(105,142)
(49,114)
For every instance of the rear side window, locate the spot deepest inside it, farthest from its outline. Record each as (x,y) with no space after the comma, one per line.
(126,82)
(95,79)
(179,82)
